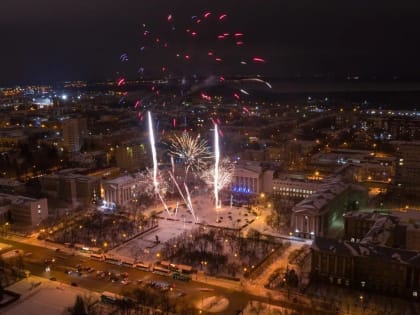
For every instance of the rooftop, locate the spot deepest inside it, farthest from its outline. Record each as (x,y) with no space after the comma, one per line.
(351,249)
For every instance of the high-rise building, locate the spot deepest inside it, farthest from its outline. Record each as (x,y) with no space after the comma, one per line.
(73,131)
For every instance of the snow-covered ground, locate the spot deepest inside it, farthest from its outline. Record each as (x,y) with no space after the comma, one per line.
(41,296)
(145,248)
(212,304)
(254,308)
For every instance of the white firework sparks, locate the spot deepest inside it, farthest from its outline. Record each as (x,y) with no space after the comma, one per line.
(216,166)
(146,184)
(225,174)
(187,199)
(194,152)
(155,166)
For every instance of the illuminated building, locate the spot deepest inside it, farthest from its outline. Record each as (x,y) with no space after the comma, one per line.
(119,191)
(131,156)
(251,178)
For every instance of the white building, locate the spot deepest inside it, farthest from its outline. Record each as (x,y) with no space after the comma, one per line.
(251,178)
(121,190)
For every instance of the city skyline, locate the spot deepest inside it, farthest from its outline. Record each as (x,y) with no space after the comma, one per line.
(209,157)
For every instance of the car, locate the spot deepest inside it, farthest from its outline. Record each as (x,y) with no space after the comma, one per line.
(57,249)
(48,261)
(74,284)
(53,279)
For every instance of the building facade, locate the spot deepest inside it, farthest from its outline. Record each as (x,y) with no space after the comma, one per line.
(74,130)
(294,187)
(321,213)
(251,178)
(132,156)
(366,267)
(120,191)
(70,186)
(24,211)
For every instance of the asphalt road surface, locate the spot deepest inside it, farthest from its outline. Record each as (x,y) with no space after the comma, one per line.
(37,258)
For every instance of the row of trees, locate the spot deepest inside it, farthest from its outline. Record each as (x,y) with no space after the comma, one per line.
(219,251)
(97,229)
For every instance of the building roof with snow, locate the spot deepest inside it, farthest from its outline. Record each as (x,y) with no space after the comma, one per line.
(352,249)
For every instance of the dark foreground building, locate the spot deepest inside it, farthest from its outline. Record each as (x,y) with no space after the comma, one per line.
(367,267)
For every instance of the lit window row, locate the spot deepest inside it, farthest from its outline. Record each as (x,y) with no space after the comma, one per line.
(297,190)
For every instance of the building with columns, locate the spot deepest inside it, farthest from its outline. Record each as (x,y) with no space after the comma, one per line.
(120,191)
(251,178)
(321,213)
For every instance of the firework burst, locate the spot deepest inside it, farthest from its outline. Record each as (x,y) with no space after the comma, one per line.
(225,174)
(194,152)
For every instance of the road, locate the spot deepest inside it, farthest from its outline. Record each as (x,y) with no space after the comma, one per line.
(201,287)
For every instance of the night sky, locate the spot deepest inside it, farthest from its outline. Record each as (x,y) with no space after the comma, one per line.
(49,40)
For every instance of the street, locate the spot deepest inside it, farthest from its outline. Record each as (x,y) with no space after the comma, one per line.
(199,288)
